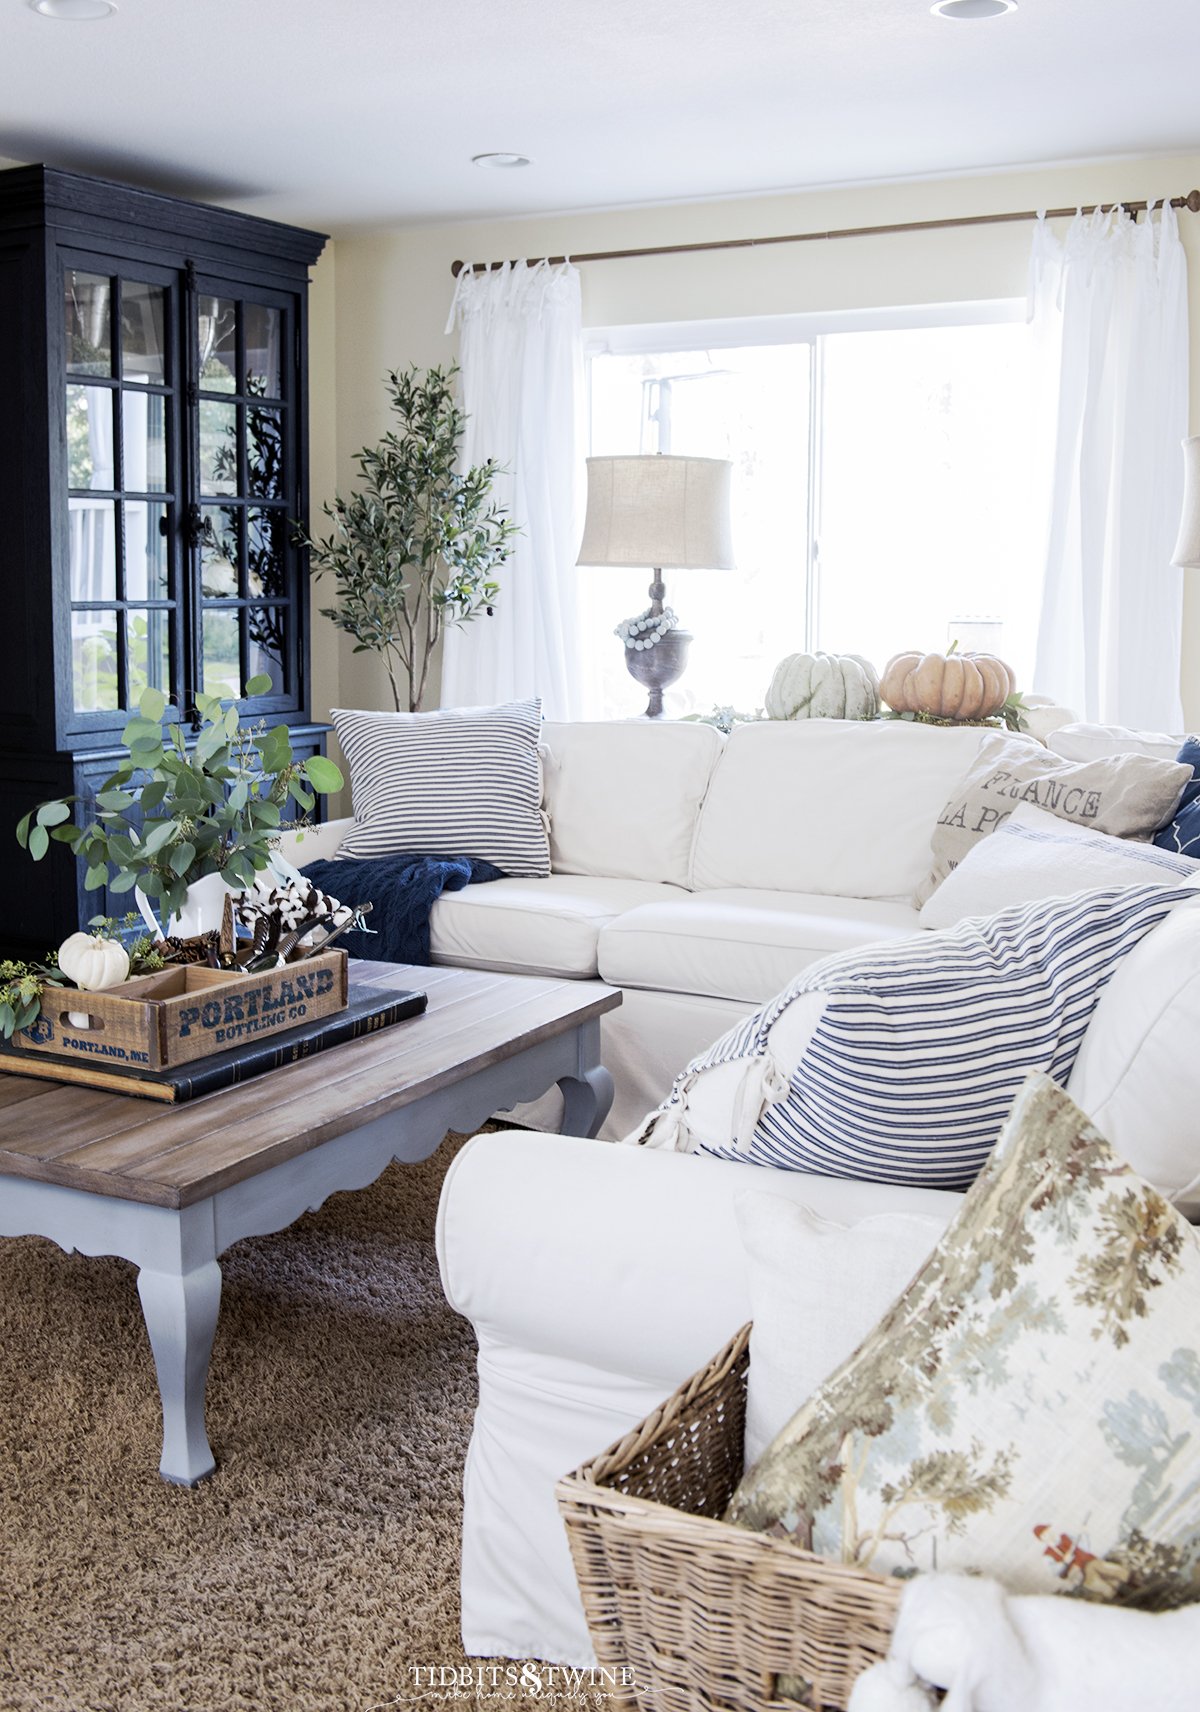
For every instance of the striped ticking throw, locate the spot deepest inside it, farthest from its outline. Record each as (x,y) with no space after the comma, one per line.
(465,781)
(921,1044)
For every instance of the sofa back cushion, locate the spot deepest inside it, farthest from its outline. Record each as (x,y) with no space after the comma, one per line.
(1081,741)
(840,807)
(623,796)
(1138,1072)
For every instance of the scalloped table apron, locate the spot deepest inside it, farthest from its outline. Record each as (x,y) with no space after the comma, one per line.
(171,1187)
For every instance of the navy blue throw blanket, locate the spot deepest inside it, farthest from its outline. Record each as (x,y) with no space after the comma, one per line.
(403,890)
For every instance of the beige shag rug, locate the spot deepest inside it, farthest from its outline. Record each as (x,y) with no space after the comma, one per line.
(320,1564)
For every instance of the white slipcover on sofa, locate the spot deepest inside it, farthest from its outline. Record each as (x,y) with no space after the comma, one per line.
(698,874)
(598,1278)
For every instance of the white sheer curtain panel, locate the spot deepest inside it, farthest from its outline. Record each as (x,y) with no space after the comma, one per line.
(521,355)
(1108,301)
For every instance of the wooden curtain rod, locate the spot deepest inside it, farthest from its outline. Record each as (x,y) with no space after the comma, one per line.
(1191,202)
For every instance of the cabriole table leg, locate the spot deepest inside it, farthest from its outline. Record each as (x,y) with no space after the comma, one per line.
(181,1311)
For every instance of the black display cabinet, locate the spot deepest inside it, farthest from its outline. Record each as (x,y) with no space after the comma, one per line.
(153,462)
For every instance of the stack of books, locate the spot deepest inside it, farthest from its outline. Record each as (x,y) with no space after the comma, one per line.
(369,1010)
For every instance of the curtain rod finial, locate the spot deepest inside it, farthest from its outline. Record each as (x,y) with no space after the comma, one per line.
(1192,201)
(456,268)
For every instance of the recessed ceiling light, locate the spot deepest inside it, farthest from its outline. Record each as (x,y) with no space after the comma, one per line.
(76,11)
(501,160)
(973,8)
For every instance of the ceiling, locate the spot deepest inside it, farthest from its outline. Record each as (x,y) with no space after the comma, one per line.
(355,113)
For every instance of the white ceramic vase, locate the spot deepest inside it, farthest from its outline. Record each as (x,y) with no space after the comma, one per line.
(202,910)
(204,906)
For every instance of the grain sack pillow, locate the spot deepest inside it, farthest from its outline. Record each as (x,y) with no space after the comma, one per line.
(1036,855)
(1130,796)
(898,1063)
(465,781)
(1030,1407)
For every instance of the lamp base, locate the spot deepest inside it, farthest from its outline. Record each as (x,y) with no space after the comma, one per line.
(657,668)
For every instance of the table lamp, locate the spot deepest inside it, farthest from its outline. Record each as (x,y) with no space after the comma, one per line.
(1187,548)
(669,514)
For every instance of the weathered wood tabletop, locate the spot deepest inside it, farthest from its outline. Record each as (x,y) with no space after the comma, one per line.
(173,1156)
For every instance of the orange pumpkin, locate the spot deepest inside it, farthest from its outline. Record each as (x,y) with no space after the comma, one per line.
(947,686)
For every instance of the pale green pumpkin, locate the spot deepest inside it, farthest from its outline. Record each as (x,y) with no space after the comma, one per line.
(823,686)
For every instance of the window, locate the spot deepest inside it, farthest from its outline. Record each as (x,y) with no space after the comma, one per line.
(883,493)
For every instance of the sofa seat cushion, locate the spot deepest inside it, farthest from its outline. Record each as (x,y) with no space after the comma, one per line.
(535,927)
(740,944)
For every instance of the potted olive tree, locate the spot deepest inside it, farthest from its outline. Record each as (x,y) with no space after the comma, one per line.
(416,546)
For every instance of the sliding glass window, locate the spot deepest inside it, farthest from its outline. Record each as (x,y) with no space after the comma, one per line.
(883,483)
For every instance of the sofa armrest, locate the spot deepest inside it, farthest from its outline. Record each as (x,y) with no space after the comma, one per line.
(314,843)
(626,1258)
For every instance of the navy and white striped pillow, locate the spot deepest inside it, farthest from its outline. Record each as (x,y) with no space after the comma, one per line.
(465,781)
(920,1044)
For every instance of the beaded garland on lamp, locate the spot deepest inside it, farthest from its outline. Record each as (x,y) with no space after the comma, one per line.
(669,514)
(647,629)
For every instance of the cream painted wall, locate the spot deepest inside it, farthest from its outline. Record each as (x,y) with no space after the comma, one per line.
(393,291)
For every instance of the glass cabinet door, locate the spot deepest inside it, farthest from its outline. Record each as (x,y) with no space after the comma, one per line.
(245,464)
(120,464)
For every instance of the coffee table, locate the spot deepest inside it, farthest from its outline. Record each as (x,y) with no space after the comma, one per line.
(171,1187)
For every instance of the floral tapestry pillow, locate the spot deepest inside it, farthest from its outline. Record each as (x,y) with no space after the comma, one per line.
(1030,1407)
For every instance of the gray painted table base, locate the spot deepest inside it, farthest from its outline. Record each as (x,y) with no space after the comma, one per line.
(176,1249)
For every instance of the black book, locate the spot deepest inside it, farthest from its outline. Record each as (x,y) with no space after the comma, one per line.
(369,1010)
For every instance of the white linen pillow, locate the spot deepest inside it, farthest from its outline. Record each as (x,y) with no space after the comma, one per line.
(1137,1075)
(817,1287)
(464,781)
(1036,855)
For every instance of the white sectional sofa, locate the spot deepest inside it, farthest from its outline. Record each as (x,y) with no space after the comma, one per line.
(699,873)
(599,1277)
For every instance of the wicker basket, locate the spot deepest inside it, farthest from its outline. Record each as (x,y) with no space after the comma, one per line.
(695,1615)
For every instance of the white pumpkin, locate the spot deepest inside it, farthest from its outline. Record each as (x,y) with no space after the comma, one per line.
(93,963)
(823,686)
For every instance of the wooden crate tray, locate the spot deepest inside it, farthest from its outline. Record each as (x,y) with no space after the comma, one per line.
(156,1022)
